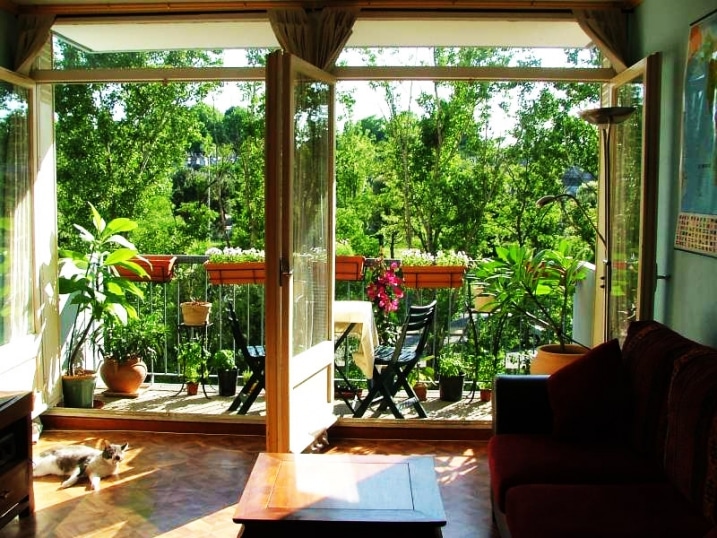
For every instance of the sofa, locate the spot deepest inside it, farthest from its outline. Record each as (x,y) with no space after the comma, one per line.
(620,443)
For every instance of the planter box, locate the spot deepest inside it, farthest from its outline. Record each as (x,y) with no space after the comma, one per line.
(159,266)
(236,273)
(349,267)
(433,276)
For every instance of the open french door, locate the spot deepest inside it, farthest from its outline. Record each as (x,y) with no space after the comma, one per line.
(299,252)
(634,146)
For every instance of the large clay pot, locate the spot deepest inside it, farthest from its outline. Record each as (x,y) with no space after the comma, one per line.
(123,378)
(549,358)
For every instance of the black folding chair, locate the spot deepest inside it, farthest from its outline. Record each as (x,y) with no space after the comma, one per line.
(393,364)
(255,357)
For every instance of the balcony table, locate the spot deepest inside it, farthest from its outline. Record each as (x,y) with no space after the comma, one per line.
(356,317)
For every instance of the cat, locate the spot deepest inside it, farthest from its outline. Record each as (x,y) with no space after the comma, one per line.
(78,461)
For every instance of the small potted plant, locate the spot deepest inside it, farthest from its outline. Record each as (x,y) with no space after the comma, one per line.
(223,363)
(192,357)
(93,285)
(233,265)
(452,367)
(420,378)
(445,269)
(127,349)
(349,266)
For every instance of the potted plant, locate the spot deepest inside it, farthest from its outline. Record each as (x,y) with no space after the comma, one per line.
(127,349)
(192,357)
(159,268)
(445,269)
(452,367)
(223,363)
(235,266)
(349,266)
(419,380)
(90,279)
(538,285)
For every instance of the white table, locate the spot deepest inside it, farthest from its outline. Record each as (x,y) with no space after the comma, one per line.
(360,314)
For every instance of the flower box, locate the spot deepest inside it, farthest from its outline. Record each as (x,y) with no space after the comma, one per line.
(159,266)
(236,272)
(349,267)
(433,276)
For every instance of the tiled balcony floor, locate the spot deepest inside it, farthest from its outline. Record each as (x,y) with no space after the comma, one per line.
(171,398)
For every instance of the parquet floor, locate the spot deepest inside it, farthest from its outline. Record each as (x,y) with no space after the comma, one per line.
(182,485)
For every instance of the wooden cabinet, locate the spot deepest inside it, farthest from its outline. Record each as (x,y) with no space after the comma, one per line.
(16,495)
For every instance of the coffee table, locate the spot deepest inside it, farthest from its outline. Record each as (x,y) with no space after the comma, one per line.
(367,496)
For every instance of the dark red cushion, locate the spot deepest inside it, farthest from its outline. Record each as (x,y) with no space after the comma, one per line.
(585,395)
(654,510)
(516,459)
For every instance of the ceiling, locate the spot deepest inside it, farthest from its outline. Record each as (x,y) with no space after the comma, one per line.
(130,25)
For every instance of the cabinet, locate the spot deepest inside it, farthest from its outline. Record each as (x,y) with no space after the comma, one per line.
(16,495)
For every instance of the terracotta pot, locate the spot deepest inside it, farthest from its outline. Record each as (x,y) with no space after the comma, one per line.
(192,388)
(433,276)
(486,395)
(549,358)
(349,267)
(159,266)
(196,312)
(421,390)
(125,377)
(236,273)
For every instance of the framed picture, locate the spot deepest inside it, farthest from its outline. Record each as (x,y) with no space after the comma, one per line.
(697,220)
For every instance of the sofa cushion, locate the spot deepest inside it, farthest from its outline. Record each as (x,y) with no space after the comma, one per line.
(654,510)
(586,396)
(516,459)
(649,352)
(691,445)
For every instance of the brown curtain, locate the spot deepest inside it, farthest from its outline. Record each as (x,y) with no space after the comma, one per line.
(316,36)
(33,33)
(608,30)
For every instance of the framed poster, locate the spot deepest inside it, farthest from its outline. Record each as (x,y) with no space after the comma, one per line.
(697,220)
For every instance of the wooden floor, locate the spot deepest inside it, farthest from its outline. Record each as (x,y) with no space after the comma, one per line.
(177,485)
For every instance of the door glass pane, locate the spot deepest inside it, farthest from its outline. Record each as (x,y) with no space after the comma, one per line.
(311,214)
(627,182)
(16,214)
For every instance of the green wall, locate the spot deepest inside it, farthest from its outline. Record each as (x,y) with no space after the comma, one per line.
(687,301)
(7,31)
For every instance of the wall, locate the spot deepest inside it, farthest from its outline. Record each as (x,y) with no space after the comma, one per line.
(687,301)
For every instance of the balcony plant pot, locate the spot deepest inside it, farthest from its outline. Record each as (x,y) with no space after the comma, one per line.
(192,388)
(227,381)
(123,378)
(421,390)
(349,268)
(196,313)
(225,273)
(433,276)
(78,390)
(160,268)
(450,388)
(549,358)
(486,395)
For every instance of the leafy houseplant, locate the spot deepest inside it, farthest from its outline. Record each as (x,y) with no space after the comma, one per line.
(452,367)
(538,285)
(222,362)
(91,280)
(191,356)
(128,348)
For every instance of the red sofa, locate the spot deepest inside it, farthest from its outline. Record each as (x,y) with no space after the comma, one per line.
(620,443)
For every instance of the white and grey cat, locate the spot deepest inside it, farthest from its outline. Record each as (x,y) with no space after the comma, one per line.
(75,461)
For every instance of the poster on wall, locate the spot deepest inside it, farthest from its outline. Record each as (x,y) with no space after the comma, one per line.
(697,220)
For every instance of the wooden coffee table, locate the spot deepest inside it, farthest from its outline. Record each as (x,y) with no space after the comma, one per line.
(341,495)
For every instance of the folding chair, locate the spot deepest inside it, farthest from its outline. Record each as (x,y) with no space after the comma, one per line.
(393,364)
(255,357)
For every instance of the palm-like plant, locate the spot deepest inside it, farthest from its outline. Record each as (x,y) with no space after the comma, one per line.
(536,284)
(94,285)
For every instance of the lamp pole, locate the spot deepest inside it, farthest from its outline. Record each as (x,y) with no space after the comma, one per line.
(605,118)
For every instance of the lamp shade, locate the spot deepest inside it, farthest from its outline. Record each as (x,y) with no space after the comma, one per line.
(605,116)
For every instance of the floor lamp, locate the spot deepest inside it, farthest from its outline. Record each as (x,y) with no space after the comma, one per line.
(605,118)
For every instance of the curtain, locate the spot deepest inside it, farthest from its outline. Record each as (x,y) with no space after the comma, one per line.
(608,30)
(15,216)
(316,36)
(33,33)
